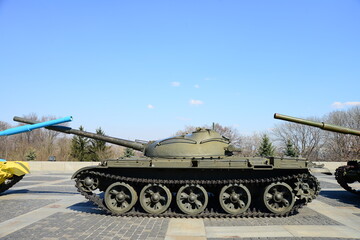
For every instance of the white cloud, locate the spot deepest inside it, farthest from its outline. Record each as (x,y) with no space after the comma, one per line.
(196,102)
(149,106)
(175,84)
(196,86)
(344,104)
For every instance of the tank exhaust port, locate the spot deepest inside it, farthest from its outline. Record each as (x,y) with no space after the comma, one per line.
(194,162)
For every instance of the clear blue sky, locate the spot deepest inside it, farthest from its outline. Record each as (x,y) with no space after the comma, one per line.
(146,69)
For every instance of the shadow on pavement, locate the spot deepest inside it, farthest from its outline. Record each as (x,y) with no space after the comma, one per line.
(22,191)
(342,197)
(86,207)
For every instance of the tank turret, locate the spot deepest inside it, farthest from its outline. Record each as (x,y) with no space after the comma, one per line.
(345,175)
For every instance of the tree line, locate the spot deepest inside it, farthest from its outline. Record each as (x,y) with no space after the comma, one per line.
(296,140)
(285,139)
(42,145)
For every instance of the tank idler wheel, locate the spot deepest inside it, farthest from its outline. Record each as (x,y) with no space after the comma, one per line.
(155,198)
(120,197)
(192,199)
(89,183)
(278,198)
(235,198)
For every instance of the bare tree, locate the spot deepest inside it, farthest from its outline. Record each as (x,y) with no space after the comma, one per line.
(250,144)
(4,141)
(41,143)
(309,142)
(315,143)
(306,140)
(63,148)
(338,146)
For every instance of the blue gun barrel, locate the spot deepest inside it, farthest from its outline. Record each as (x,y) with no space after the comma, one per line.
(28,128)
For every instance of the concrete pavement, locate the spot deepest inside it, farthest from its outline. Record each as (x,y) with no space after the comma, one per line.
(47,206)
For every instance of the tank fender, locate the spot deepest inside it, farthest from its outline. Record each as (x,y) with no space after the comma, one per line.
(86,168)
(319,168)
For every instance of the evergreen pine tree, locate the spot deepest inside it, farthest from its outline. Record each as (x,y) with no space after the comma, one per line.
(266,148)
(129,152)
(80,147)
(97,148)
(31,155)
(290,149)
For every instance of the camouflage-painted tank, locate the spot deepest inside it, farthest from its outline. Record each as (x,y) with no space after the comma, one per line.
(344,175)
(196,174)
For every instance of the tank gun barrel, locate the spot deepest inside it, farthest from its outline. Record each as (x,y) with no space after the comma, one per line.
(28,128)
(322,125)
(117,141)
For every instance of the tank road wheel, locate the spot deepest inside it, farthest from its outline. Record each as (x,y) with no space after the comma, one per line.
(155,198)
(89,183)
(192,199)
(278,198)
(234,198)
(120,197)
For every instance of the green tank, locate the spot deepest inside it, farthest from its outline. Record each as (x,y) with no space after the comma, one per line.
(344,175)
(194,175)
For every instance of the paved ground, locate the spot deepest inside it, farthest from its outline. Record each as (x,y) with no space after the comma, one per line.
(47,206)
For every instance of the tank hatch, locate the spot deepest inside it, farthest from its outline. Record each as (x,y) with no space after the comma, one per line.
(202,143)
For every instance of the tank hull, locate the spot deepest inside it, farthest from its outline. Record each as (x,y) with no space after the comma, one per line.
(232,186)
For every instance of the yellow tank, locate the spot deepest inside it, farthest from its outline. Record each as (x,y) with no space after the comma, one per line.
(12,172)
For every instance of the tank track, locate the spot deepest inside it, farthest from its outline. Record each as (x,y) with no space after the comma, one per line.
(339,176)
(9,183)
(208,213)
